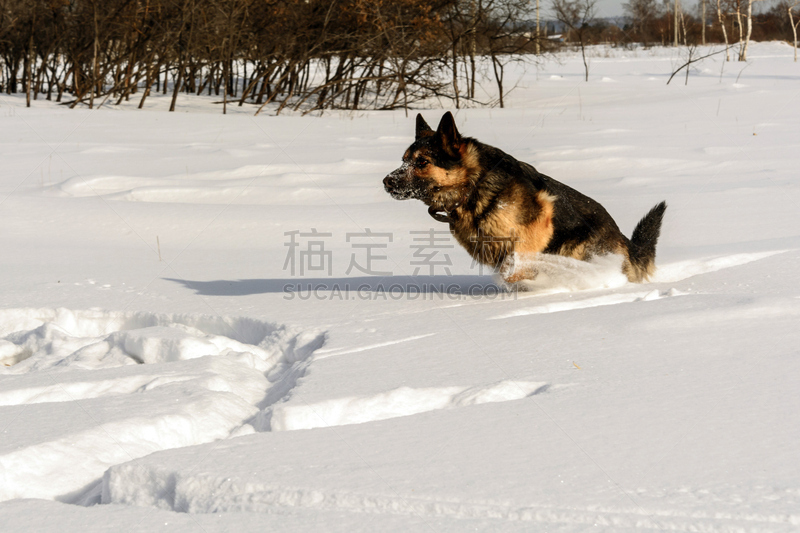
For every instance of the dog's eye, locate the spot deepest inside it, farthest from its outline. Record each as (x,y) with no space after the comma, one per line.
(422,163)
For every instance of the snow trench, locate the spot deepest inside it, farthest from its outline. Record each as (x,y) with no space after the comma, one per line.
(89,390)
(86,390)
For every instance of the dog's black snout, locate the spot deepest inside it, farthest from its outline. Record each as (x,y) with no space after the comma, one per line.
(388,183)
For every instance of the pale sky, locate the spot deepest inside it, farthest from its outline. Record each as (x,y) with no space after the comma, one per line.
(613,8)
(608,8)
(605,8)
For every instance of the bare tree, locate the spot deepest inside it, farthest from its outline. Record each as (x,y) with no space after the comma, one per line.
(743,48)
(741,11)
(703,20)
(721,18)
(502,38)
(691,52)
(642,14)
(577,16)
(793,24)
(303,55)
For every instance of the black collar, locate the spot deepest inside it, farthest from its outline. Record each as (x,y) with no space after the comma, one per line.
(441,215)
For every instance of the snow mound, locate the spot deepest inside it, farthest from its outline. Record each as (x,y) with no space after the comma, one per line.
(558,274)
(555,273)
(250,184)
(586,303)
(108,387)
(41,339)
(685,269)
(402,401)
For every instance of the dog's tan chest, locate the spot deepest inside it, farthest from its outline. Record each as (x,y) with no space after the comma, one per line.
(500,232)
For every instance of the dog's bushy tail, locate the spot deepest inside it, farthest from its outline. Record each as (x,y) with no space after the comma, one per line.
(642,251)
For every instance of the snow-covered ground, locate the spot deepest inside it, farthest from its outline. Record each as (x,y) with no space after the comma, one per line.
(171,362)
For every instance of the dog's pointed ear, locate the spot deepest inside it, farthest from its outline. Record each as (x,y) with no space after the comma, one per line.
(422,127)
(448,135)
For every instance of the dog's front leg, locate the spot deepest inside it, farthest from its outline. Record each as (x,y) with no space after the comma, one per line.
(515,269)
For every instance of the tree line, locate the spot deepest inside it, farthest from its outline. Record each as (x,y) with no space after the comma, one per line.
(729,22)
(304,55)
(316,55)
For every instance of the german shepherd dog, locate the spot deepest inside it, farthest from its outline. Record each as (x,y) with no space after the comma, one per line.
(502,210)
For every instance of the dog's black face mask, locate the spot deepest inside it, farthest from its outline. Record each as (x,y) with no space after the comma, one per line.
(404,184)
(426,163)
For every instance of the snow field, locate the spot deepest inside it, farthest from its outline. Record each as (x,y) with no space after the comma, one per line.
(161,373)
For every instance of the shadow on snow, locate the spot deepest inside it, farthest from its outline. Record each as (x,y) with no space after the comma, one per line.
(464,285)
